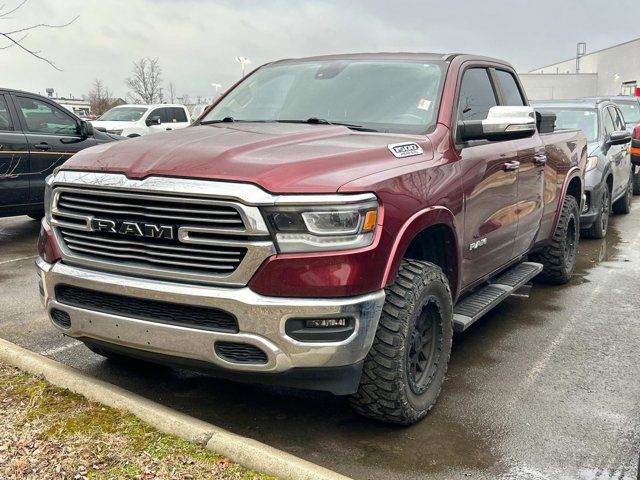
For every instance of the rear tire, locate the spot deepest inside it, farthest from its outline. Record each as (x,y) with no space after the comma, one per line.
(601,222)
(559,257)
(404,370)
(623,204)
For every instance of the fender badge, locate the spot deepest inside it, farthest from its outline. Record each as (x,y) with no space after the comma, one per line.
(401,150)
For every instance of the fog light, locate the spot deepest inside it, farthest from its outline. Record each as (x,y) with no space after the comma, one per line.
(320,329)
(326,323)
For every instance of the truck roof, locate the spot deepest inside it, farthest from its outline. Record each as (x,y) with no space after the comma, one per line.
(411,56)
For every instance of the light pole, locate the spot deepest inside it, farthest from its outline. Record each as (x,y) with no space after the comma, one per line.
(217,86)
(243,62)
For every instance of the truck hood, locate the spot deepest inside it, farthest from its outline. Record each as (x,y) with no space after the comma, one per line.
(281,158)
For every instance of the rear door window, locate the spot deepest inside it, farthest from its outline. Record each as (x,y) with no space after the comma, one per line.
(177,115)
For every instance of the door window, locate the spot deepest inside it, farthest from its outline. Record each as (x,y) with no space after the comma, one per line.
(42,117)
(618,121)
(159,112)
(476,95)
(5,117)
(176,115)
(509,88)
(609,127)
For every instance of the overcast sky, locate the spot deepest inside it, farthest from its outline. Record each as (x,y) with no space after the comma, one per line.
(197,40)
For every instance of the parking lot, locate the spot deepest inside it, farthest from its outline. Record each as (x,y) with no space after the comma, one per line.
(544,388)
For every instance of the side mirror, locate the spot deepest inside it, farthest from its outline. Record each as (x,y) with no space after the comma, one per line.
(86,129)
(619,138)
(155,120)
(502,123)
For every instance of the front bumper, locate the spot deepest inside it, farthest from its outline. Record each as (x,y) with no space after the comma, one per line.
(593,204)
(261,321)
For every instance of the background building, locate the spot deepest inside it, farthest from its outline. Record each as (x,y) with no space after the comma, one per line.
(611,71)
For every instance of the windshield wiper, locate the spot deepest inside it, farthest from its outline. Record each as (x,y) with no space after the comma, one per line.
(322,121)
(224,120)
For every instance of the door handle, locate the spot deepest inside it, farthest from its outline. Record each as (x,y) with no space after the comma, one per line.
(540,159)
(43,146)
(511,166)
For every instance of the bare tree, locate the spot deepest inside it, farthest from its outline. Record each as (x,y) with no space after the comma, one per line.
(172,92)
(16,36)
(146,83)
(100,98)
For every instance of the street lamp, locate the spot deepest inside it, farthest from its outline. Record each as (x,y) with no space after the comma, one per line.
(217,86)
(243,62)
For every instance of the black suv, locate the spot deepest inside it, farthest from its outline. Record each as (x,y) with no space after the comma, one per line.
(36,136)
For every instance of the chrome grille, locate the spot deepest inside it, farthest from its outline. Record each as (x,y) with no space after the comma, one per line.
(211,241)
(214,260)
(151,207)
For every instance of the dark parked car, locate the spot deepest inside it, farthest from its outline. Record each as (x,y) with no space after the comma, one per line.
(36,136)
(630,108)
(608,177)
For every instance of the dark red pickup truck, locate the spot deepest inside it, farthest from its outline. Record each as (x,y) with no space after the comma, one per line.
(327,224)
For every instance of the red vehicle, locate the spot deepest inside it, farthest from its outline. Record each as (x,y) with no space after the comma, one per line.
(327,224)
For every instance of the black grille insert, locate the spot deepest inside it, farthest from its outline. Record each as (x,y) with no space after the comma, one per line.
(204,318)
(240,353)
(60,318)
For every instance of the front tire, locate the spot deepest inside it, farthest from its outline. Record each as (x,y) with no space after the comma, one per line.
(601,222)
(623,204)
(559,257)
(404,370)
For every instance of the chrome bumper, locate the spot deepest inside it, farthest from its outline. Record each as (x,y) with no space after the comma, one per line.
(261,320)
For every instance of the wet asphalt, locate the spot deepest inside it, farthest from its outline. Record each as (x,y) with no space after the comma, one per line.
(541,388)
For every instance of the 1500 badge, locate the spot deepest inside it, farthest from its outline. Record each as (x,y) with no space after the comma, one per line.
(401,150)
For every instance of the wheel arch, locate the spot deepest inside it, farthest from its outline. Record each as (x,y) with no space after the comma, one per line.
(429,235)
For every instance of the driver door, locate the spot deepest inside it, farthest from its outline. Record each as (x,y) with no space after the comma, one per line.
(53,136)
(490,181)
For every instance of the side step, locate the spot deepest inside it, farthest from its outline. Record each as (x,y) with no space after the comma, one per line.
(474,306)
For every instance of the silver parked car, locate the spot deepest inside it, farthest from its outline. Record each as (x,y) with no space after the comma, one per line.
(608,177)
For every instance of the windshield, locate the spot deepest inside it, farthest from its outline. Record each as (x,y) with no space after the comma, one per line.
(385,96)
(576,119)
(123,114)
(630,111)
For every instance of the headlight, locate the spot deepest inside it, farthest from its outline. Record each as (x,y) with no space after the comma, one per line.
(47,197)
(115,132)
(591,163)
(307,228)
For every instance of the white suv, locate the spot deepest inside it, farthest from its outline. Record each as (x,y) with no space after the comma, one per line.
(137,120)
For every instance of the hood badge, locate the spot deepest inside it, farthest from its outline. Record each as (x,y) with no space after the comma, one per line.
(406,149)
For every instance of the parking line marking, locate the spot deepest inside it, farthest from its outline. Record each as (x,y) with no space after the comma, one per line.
(17,259)
(62,348)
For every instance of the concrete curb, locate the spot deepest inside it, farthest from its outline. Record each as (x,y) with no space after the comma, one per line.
(245,451)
